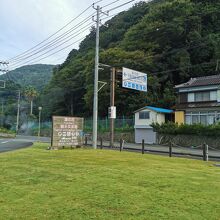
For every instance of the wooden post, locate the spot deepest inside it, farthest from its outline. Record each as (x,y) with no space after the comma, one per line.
(112,103)
(86,141)
(170,149)
(120,145)
(207,152)
(204,152)
(142,146)
(101,143)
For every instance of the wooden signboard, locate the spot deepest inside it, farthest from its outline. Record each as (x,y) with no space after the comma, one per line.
(67,131)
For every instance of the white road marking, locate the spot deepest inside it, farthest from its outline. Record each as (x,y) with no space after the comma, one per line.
(4,142)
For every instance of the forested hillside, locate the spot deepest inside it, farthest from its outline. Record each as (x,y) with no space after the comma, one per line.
(37,76)
(170,40)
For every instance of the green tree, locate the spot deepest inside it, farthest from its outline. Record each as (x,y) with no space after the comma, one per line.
(30,93)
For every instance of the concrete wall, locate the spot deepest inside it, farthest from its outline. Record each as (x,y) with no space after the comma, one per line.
(127,136)
(189,140)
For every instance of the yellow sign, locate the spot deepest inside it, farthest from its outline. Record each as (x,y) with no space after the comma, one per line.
(67,131)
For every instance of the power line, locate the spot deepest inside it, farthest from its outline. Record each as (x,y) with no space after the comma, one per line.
(53,43)
(110,4)
(16,66)
(57,39)
(24,54)
(49,54)
(67,39)
(121,5)
(55,32)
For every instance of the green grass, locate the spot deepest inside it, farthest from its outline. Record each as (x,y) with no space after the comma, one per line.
(88,184)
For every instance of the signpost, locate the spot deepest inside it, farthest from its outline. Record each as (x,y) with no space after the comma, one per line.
(133,79)
(67,131)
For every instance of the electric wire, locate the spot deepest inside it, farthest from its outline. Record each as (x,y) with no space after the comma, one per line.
(75,18)
(23,55)
(67,39)
(55,47)
(52,42)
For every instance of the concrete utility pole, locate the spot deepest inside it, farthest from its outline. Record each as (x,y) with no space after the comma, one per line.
(95,101)
(18,111)
(39,121)
(96,77)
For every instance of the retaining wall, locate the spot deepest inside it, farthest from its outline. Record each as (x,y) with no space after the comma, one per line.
(188,140)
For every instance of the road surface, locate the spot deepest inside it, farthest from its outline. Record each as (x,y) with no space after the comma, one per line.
(13,144)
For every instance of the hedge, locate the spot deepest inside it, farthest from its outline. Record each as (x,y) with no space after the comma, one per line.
(195,129)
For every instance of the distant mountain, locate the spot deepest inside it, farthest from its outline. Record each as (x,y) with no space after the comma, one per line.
(37,75)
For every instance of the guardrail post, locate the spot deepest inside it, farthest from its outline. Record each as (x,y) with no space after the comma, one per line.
(142,146)
(86,140)
(204,152)
(120,144)
(170,150)
(101,143)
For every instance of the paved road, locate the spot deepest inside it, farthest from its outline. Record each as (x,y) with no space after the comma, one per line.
(13,144)
(33,138)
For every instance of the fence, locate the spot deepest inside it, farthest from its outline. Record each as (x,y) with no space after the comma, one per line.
(121,124)
(203,151)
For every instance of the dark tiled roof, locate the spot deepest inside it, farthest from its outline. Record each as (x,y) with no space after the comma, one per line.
(201,81)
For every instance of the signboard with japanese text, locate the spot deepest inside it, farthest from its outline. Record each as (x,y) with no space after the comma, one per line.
(67,131)
(133,79)
(112,112)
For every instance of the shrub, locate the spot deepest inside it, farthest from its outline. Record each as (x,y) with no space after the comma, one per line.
(195,129)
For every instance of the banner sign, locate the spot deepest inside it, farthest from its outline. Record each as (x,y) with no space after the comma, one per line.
(133,79)
(112,112)
(67,131)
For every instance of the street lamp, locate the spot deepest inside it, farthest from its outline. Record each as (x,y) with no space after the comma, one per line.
(40,109)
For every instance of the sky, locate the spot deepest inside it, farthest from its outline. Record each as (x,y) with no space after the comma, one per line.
(25,23)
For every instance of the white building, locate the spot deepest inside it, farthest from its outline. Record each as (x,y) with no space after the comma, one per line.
(144,117)
(199,101)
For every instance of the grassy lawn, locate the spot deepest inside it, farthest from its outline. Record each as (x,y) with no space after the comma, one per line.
(102,184)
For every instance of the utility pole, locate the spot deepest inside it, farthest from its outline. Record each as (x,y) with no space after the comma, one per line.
(217,65)
(18,111)
(96,77)
(2,106)
(95,101)
(39,121)
(112,104)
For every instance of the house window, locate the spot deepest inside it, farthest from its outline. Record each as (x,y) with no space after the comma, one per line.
(191,97)
(202,96)
(144,115)
(213,95)
(205,118)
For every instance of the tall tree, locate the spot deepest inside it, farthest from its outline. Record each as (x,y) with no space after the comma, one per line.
(30,93)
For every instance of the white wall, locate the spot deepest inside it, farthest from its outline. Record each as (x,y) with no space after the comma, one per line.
(154,117)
